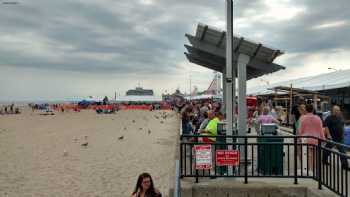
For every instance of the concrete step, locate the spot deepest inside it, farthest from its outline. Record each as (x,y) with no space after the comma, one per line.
(223,187)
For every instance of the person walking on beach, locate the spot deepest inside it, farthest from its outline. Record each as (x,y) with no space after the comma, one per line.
(145,187)
(296,114)
(206,120)
(212,128)
(11,108)
(266,118)
(302,112)
(186,117)
(255,119)
(311,125)
(335,131)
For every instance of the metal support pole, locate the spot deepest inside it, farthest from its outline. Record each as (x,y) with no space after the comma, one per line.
(190,89)
(295,160)
(177,179)
(315,98)
(224,91)
(243,60)
(291,106)
(319,165)
(245,160)
(230,75)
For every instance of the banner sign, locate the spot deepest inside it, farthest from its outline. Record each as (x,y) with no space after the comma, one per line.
(203,157)
(227,158)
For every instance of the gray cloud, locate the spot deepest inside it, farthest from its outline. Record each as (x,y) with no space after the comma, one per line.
(106,36)
(297,35)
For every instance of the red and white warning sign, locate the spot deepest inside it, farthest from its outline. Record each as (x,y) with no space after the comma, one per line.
(203,157)
(227,157)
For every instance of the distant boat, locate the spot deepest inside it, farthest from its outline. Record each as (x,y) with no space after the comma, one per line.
(139,91)
(10,3)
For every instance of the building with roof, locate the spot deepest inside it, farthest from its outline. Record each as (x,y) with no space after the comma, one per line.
(139,91)
(139,99)
(335,85)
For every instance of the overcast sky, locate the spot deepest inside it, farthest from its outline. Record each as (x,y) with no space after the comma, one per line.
(75,48)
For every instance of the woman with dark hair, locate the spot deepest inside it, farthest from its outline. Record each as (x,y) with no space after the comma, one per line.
(145,188)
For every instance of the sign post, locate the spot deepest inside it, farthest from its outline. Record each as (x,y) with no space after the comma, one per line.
(227,158)
(230,81)
(203,157)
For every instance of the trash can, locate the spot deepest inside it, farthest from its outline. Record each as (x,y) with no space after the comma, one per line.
(270,154)
(347,135)
(221,170)
(269,129)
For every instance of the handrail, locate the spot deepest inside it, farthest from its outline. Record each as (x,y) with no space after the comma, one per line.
(268,136)
(177,188)
(328,166)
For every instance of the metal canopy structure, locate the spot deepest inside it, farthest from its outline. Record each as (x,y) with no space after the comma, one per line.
(246,60)
(234,56)
(208,49)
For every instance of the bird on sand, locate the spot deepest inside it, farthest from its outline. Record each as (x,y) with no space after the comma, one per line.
(149,131)
(85,144)
(121,137)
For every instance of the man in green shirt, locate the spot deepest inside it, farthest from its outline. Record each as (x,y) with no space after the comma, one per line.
(212,127)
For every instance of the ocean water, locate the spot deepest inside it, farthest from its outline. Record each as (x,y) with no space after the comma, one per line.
(26,102)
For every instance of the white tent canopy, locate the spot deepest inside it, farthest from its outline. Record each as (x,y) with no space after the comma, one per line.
(139,99)
(203,97)
(327,81)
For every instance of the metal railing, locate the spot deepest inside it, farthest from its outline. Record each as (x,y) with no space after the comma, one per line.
(177,188)
(274,157)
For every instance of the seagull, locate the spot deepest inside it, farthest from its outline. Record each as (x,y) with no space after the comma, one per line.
(85,144)
(121,137)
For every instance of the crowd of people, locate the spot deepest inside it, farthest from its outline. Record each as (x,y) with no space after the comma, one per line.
(308,123)
(9,109)
(202,117)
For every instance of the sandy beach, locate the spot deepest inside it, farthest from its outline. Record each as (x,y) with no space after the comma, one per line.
(42,156)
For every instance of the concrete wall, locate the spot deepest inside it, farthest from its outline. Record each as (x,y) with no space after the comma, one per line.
(232,188)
